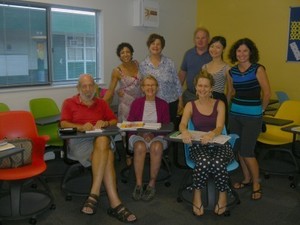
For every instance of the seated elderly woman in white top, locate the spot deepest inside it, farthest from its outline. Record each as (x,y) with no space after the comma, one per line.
(148,109)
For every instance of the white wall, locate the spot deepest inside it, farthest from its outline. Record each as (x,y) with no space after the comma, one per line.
(177,23)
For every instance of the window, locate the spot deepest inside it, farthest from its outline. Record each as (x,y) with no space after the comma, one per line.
(43,45)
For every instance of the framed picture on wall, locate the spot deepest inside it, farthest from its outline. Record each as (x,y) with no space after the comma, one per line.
(146,13)
(293,52)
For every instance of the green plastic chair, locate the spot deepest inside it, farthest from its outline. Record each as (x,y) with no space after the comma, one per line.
(3,107)
(44,107)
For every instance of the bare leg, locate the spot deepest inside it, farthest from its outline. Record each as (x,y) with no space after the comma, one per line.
(245,169)
(222,202)
(99,160)
(253,167)
(198,209)
(247,174)
(139,156)
(111,185)
(156,151)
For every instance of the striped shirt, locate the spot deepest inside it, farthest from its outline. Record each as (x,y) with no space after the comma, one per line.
(220,78)
(247,99)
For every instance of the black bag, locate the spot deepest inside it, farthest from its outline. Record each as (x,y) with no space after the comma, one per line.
(19,159)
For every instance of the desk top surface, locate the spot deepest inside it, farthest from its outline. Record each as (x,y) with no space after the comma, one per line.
(47,120)
(292,129)
(114,130)
(276,121)
(9,152)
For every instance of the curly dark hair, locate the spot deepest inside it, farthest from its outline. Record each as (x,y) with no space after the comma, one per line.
(254,55)
(153,37)
(124,45)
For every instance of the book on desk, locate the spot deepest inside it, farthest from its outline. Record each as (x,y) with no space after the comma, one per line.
(132,126)
(197,136)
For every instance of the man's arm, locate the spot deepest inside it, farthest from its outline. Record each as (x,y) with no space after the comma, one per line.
(182,76)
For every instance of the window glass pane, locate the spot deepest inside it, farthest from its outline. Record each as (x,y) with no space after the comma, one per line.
(74,35)
(23,48)
(24,44)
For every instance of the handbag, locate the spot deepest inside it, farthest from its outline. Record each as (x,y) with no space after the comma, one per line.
(19,159)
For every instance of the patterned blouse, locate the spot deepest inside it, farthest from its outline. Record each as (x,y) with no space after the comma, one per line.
(166,74)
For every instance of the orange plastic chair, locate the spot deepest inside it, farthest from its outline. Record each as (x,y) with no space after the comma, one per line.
(21,200)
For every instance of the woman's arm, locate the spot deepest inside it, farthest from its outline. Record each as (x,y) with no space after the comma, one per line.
(229,87)
(265,86)
(186,116)
(115,77)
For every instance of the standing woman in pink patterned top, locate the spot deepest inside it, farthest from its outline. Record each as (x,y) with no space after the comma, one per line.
(126,79)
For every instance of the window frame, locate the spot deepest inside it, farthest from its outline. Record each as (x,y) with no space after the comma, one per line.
(98,54)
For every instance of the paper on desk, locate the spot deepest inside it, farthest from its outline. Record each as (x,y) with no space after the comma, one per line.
(6,147)
(99,130)
(127,125)
(296,129)
(197,136)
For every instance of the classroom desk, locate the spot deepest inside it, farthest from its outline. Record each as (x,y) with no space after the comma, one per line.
(295,133)
(76,180)
(276,121)
(296,181)
(11,152)
(47,120)
(273,101)
(164,129)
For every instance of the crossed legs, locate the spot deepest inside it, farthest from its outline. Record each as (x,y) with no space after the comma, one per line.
(103,170)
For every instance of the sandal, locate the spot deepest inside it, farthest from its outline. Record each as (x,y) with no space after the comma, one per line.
(137,193)
(148,194)
(199,209)
(91,204)
(121,213)
(256,193)
(218,208)
(241,185)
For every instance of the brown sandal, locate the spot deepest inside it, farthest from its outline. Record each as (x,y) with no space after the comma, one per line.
(256,193)
(90,203)
(121,213)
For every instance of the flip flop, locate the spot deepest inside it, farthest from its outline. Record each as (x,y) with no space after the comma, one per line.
(256,193)
(241,185)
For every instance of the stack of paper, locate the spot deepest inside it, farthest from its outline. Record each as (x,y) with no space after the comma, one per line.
(126,125)
(197,136)
(152,126)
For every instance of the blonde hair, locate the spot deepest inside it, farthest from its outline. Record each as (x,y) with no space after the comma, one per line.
(206,75)
(201,29)
(149,77)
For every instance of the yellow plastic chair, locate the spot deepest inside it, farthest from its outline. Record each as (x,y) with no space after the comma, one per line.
(3,107)
(275,155)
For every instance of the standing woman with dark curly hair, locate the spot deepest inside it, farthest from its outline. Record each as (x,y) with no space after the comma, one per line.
(125,81)
(252,94)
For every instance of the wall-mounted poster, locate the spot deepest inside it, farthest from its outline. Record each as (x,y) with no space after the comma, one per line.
(146,13)
(293,54)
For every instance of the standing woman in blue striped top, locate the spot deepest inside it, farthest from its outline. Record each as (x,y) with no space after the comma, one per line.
(252,94)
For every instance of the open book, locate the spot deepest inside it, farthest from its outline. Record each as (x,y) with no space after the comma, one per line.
(127,125)
(197,136)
